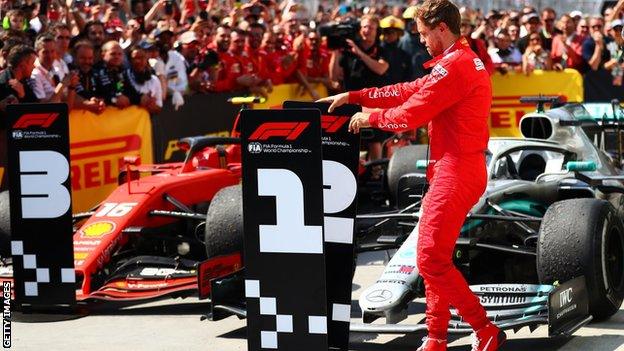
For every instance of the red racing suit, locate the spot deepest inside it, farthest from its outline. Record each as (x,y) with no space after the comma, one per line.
(455,100)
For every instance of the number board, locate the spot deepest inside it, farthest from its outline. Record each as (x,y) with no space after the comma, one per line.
(283,230)
(41,214)
(340,167)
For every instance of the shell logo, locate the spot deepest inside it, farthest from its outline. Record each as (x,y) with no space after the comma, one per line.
(97,229)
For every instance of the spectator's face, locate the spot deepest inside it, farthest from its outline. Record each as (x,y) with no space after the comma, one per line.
(548,19)
(96,35)
(27,65)
(596,25)
(503,42)
(392,35)
(16,22)
(616,33)
(238,43)
(223,39)
(47,54)
(62,40)
(190,50)
(255,37)
(465,29)
(138,60)
(314,40)
(113,56)
(535,39)
(567,25)
(368,31)
(533,25)
(133,30)
(431,37)
(268,42)
(84,59)
(514,32)
(583,28)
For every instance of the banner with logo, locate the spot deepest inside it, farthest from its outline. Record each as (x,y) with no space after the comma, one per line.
(507,89)
(41,208)
(283,230)
(98,146)
(340,167)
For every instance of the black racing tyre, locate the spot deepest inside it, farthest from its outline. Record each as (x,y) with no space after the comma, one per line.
(5,224)
(403,161)
(584,237)
(224,222)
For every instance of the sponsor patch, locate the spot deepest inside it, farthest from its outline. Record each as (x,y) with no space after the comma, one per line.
(438,72)
(97,229)
(479,66)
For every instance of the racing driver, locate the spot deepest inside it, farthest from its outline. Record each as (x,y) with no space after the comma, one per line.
(454,99)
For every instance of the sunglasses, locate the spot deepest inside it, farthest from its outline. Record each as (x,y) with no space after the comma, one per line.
(597,26)
(585,27)
(62,37)
(534,39)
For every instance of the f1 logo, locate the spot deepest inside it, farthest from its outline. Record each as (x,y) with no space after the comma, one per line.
(43,120)
(331,124)
(289,130)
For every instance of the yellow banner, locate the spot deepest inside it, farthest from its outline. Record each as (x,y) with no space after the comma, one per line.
(98,145)
(285,92)
(507,90)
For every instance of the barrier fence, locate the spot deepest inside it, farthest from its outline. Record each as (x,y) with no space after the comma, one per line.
(99,142)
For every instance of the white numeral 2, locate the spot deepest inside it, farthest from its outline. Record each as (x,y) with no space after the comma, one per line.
(339,193)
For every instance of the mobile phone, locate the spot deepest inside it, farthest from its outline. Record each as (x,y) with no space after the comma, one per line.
(169,7)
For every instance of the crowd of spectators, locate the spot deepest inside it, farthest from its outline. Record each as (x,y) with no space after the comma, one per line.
(140,52)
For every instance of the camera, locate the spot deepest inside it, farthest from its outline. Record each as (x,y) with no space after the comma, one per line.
(338,33)
(211,58)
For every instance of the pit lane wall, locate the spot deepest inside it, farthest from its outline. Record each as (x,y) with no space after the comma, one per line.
(99,142)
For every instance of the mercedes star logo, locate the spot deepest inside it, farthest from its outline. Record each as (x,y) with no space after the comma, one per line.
(380,295)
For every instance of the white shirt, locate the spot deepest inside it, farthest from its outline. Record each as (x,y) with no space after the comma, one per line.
(515,57)
(60,68)
(174,70)
(43,81)
(151,87)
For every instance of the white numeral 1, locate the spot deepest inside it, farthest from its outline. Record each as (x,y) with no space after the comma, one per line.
(289,234)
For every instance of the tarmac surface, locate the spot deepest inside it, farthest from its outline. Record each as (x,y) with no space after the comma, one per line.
(174,324)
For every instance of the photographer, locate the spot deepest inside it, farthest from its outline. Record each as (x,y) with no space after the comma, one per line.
(361,64)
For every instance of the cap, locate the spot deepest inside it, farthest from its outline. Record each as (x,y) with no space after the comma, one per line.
(615,23)
(410,12)
(392,22)
(187,37)
(160,31)
(528,17)
(576,13)
(147,44)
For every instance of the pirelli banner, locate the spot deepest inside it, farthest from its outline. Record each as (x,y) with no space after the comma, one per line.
(98,146)
(507,89)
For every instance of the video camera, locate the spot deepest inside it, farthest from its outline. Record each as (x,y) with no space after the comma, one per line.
(338,33)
